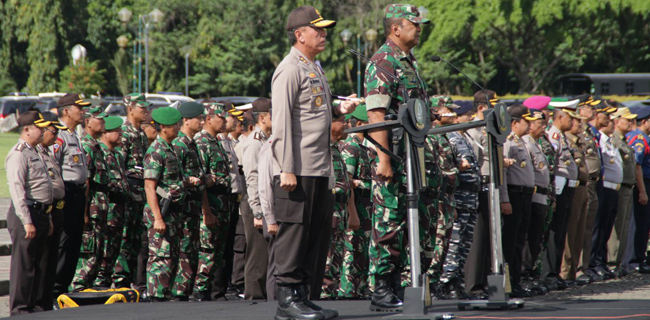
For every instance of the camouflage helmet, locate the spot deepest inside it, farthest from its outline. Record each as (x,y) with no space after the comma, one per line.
(136,100)
(406,11)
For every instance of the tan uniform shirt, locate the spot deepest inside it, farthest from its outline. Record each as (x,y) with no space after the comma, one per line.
(70,155)
(302,116)
(235,178)
(28,179)
(627,154)
(54,171)
(254,143)
(520,173)
(540,166)
(265,183)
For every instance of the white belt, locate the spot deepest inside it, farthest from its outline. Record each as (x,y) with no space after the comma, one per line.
(573,183)
(610,185)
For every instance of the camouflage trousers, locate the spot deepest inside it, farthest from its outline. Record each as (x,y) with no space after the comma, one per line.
(112,242)
(428,213)
(212,245)
(132,232)
(442,233)
(461,236)
(90,256)
(163,253)
(386,253)
(354,270)
(188,254)
(332,275)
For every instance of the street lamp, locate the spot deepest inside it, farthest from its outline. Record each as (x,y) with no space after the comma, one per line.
(122,41)
(370,36)
(186,50)
(156,16)
(78,53)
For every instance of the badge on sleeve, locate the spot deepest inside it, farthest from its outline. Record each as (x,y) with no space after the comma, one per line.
(638,148)
(75,159)
(556,136)
(318,101)
(57,145)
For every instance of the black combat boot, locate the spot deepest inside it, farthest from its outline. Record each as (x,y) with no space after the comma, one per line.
(291,306)
(383,299)
(327,313)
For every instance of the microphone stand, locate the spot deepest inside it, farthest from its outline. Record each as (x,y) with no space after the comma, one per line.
(496,119)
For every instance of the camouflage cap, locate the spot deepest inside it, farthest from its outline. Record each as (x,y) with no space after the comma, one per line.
(136,100)
(95,112)
(443,101)
(215,108)
(406,11)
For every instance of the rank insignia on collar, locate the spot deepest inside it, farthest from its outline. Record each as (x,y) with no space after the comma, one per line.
(304,60)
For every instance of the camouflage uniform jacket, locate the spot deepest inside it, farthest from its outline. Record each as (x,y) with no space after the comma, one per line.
(118,187)
(591,149)
(162,165)
(133,147)
(188,154)
(356,157)
(449,169)
(469,179)
(97,176)
(342,186)
(432,169)
(551,158)
(214,161)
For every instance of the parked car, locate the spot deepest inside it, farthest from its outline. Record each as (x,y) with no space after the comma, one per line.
(11,107)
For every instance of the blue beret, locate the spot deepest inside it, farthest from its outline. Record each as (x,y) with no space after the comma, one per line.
(643,113)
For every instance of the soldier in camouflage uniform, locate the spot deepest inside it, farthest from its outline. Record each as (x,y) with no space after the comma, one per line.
(197,202)
(131,263)
(344,213)
(163,184)
(215,165)
(384,94)
(118,191)
(97,208)
(444,108)
(356,155)
(466,196)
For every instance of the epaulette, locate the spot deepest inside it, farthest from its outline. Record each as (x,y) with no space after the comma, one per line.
(510,136)
(257,136)
(20,146)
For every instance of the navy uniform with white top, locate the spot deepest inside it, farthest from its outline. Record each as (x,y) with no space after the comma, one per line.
(28,219)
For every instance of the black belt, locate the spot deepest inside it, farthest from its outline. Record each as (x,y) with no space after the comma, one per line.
(96,187)
(80,187)
(594,178)
(628,185)
(485,179)
(521,189)
(363,193)
(542,191)
(38,206)
(467,186)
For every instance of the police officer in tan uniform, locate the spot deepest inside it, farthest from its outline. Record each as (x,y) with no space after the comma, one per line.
(302,117)
(71,156)
(28,219)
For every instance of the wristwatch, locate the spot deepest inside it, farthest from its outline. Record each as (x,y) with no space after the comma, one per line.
(257,215)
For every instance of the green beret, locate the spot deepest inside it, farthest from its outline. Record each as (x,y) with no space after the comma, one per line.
(112,123)
(191,109)
(359,113)
(166,116)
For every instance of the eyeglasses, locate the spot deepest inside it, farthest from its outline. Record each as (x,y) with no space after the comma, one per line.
(53,131)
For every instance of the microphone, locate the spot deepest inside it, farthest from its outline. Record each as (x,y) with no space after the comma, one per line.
(439,58)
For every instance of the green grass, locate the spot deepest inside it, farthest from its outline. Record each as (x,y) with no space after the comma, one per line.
(7,140)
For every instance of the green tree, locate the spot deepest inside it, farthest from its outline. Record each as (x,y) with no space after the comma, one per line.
(85,77)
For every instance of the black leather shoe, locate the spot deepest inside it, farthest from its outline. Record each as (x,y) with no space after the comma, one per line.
(643,268)
(158,299)
(570,283)
(383,299)
(583,280)
(621,272)
(291,306)
(551,284)
(561,284)
(519,292)
(595,277)
(179,299)
(327,313)
(201,296)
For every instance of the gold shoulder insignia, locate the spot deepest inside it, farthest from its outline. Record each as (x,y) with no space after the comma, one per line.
(20,147)
(257,136)
(304,60)
(640,136)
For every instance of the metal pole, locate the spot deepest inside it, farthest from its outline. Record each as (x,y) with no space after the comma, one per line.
(358,66)
(187,73)
(139,54)
(413,222)
(135,61)
(146,57)
(495,209)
